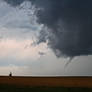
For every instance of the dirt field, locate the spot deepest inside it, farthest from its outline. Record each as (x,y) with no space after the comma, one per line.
(48,81)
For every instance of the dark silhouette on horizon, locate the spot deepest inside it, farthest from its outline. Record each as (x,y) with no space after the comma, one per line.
(10,74)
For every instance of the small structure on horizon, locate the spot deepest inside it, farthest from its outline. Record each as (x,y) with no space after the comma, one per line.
(10,74)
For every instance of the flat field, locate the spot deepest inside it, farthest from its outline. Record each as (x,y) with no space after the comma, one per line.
(47,81)
(45,84)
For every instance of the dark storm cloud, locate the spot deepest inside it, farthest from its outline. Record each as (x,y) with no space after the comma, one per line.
(67,25)
(14,2)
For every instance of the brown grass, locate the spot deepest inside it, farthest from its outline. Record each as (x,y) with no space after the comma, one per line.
(48,81)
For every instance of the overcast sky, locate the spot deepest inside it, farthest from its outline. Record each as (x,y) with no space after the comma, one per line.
(28,49)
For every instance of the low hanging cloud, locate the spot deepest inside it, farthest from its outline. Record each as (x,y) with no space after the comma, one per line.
(67,25)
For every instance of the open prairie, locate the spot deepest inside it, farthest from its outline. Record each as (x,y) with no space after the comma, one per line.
(47,81)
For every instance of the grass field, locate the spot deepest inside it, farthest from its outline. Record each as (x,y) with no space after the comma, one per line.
(45,84)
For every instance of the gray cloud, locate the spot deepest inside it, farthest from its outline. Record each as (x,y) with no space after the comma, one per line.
(14,2)
(68,24)
(41,53)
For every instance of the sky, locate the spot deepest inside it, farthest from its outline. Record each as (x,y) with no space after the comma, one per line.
(46,38)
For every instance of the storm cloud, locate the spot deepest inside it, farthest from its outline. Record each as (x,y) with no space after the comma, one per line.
(67,25)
